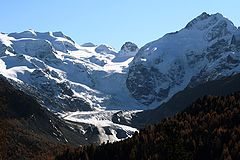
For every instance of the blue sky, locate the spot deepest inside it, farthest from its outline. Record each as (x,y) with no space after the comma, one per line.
(110,22)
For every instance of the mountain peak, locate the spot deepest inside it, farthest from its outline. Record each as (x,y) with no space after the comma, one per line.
(204,15)
(88,44)
(25,34)
(205,19)
(129,48)
(105,49)
(202,49)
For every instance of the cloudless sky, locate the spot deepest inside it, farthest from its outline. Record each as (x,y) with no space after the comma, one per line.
(109,22)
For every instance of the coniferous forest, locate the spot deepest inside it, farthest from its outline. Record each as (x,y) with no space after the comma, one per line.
(208,129)
(24,127)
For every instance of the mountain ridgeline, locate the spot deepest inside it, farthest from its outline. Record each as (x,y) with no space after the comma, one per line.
(208,129)
(56,94)
(65,76)
(206,49)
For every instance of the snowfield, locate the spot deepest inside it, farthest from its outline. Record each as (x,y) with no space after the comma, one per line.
(94,74)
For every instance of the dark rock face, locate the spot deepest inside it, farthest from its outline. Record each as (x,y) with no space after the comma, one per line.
(104,49)
(224,57)
(206,50)
(119,118)
(219,30)
(3,49)
(201,17)
(121,134)
(148,84)
(185,98)
(129,47)
(236,40)
(142,81)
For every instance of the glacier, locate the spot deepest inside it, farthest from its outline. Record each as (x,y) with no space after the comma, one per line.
(99,86)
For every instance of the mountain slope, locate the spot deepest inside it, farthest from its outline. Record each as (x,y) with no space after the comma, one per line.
(205,50)
(185,98)
(26,131)
(97,77)
(208,129)
(29,131)
(81,78)
(69,79)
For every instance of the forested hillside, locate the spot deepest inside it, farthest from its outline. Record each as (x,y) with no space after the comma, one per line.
(26,129)
(185,98)
(208,129)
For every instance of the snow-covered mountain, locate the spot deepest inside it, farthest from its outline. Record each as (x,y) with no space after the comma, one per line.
(68,78)
(208,48)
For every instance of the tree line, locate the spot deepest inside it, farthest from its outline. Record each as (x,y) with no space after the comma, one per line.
(208,129)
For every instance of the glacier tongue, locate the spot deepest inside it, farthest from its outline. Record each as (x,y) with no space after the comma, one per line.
(105,127)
